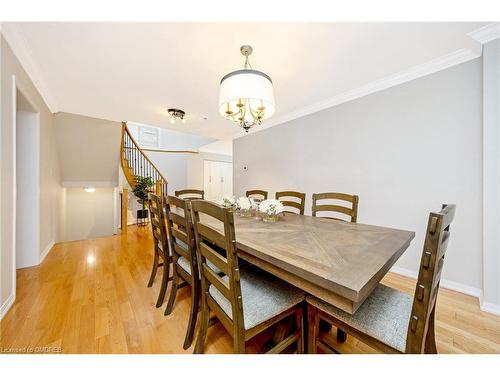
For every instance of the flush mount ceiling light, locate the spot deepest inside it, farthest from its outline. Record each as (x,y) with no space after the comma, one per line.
(176,114)
(247,95)
(89,189)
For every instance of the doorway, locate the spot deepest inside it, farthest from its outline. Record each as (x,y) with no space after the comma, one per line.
(27,167)
(217,179)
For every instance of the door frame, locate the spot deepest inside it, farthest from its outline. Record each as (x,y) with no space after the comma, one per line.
(18,87)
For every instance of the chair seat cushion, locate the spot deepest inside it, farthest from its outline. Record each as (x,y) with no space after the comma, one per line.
(184,263)
(263,295)
(384,315)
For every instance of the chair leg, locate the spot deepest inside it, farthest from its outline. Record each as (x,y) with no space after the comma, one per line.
(173,290)
(195,302)
(239,344)
(430,338)
(300,328)
(312,329)
(164,283)
(202,334)
(153,271)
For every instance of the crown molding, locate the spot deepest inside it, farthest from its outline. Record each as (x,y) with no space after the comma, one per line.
(440,63)
(17,42)
(486,33)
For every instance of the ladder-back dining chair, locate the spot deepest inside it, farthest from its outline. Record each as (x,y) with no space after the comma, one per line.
(190,194)
(351,200)
(185,264)
(160,245)
(390,320)
(246,302)
(259,194)
(300,205)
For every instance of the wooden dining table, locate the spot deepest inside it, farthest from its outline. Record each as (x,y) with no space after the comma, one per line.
(338,262)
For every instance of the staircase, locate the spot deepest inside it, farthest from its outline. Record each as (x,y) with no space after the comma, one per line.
(135,163)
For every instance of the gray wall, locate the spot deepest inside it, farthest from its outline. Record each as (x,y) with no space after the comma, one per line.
(50,189)
(404,151)
(90,149)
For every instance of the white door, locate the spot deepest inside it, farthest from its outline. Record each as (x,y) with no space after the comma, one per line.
(218,179)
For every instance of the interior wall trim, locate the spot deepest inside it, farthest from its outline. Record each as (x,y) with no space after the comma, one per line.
(452,285)
(19,46)
(486,33)
(4,309)
(433,66)
(47,250)
(457,287)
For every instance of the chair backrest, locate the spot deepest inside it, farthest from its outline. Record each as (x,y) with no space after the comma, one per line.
(180,231)
(158,227)
(259,194)
(429,276)
(190,194)
(300,205)
(351,211)
(227,262)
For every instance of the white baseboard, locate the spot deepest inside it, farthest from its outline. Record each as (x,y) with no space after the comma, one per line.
(7,305)
(489,307)
(46,251)
(457,287)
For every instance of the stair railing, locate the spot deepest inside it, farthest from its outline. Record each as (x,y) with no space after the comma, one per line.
(136,163)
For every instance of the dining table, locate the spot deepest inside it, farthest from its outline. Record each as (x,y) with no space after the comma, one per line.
(336,261)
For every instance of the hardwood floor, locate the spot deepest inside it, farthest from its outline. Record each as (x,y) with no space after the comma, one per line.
(91,297)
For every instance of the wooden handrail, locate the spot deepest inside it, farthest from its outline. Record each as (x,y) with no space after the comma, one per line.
(124,127)
(136,163)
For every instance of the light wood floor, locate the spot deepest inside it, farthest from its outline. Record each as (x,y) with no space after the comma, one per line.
(91,297)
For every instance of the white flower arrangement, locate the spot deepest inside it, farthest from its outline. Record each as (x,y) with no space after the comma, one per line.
(271,207)
(227,202)
(244,203)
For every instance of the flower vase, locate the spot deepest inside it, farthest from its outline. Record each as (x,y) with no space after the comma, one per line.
(269,218)
(245,213)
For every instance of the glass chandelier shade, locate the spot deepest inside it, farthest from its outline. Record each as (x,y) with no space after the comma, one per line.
(246,96)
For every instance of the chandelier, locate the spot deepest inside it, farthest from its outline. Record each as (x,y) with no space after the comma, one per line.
(246,96)
(176,114)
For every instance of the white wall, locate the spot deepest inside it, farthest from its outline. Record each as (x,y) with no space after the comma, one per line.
(222,147)
(404,151)
(174,166)
(491,177)
(50,189)
(88,215)
(27,188)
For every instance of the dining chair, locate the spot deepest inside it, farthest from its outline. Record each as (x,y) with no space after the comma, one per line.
(184,259)
(190,194)
(351,211)
(300,205)
(390,320)
(246,302)
(259,194)
(160,245)
(185,264)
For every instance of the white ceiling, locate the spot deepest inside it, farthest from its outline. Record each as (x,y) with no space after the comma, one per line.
(135,71)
